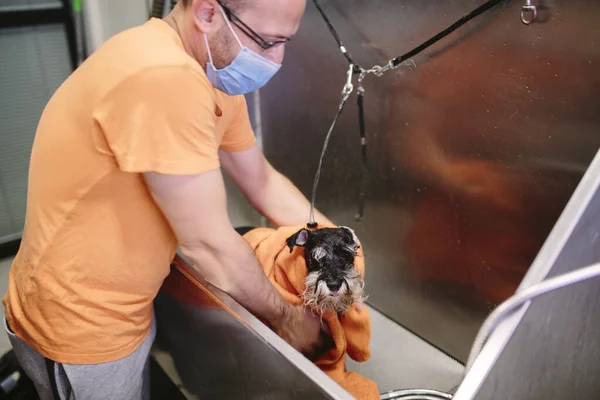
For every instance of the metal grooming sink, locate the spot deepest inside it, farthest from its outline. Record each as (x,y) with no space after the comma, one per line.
(222,351)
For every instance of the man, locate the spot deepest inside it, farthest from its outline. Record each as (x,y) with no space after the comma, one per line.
(126,166)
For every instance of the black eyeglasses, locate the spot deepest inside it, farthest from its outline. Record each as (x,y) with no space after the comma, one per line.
(256,38)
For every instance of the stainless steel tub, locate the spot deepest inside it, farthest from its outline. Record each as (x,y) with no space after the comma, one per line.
(221,351)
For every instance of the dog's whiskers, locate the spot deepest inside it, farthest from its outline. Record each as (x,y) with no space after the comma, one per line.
(318,296)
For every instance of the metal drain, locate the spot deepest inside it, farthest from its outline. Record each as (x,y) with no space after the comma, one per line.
(415,394)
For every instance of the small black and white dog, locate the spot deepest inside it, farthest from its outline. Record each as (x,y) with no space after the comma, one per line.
(333,282)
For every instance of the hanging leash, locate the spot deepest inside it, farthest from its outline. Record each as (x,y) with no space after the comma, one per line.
(393,63)
(346,92)
(336,36)
(528,15)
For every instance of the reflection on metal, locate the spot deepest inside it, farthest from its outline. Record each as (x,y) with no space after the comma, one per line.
(550,348)
(472,155)
(416,394)
(523,298)
(221,351)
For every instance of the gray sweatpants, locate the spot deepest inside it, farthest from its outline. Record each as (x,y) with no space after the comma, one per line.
(124,379)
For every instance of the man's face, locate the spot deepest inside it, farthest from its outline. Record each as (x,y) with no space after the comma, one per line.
(272,20)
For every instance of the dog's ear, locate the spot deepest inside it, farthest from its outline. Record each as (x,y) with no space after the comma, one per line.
(298,239)
(354,238)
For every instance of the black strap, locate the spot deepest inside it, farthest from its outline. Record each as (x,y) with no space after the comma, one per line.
(52,378)
(360,100)
(363,143)
(463,20)
(335,35)
(398,60)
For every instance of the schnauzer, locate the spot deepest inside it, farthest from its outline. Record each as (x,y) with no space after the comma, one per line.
(333,282)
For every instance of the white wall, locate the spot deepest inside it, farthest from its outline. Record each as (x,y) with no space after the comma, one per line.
(105,18)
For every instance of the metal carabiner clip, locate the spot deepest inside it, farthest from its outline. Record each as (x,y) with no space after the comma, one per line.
(528,13)
(348,87)
(361,76)
(378,70)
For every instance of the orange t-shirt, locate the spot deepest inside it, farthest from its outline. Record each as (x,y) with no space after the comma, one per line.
(96,248)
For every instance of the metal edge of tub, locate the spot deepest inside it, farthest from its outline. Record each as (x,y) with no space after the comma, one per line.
(259,329)
(547,262)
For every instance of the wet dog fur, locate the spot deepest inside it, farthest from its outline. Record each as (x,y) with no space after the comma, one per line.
(333,282)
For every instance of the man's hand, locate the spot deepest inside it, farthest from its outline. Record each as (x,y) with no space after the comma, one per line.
(304,331)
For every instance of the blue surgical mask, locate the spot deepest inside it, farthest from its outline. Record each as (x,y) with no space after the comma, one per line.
(247,72)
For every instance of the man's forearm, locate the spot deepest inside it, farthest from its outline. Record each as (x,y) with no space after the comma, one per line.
(268,191)
(195,206)
(234,269)
(283,204)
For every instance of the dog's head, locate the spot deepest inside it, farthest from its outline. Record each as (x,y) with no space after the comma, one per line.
(333,282)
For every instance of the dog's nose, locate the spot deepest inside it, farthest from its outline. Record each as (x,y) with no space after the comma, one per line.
(334,285)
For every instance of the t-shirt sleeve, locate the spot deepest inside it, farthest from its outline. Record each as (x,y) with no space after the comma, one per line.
(239,135)
(161,120)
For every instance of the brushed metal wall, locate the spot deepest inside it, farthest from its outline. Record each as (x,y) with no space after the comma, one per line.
(473,153)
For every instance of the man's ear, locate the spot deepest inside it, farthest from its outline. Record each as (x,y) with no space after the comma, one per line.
(298,239)
(207,15)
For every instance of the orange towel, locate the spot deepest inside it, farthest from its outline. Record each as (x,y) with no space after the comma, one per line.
(351,332)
